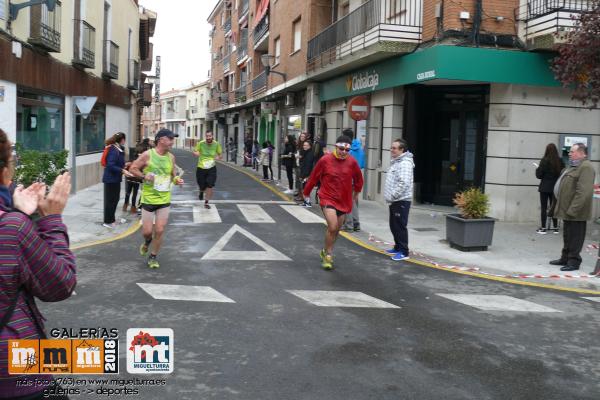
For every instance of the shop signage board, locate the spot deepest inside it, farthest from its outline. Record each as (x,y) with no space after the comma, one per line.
(455,63)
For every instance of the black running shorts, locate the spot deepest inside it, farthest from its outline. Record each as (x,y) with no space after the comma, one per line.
(206,178)
(154,207)
(337,212)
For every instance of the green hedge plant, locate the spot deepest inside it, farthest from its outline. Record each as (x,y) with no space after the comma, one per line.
(472,203)
(38,166)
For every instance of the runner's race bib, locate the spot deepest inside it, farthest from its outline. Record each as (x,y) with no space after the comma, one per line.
(206,164)
(162,183)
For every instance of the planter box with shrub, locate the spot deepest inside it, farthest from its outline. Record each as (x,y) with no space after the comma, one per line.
(471,229)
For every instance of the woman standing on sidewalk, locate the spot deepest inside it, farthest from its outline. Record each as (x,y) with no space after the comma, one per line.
(36,262)
(548,172)
(113,171)
(288,160)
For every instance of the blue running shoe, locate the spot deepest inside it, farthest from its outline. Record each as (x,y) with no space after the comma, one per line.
(400,256)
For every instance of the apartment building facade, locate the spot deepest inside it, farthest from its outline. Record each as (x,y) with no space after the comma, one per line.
(173,113)
(197,105)
(467,84)
(53,57)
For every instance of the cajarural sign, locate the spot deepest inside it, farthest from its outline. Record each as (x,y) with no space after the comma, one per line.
(362,80)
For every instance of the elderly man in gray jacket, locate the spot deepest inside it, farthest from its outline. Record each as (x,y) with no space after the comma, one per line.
(574,191)
(398,193)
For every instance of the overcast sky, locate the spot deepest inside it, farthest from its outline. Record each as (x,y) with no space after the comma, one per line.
(181,40)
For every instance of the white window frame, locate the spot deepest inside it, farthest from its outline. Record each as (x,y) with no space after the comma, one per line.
(296,35)
(277,45)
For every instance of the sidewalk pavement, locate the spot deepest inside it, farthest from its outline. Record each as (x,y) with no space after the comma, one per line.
(83,216)
(516,248)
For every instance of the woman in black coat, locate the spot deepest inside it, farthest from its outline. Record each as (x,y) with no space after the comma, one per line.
(548,172)
(288,159)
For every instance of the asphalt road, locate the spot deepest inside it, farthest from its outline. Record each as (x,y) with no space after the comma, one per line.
(264,342)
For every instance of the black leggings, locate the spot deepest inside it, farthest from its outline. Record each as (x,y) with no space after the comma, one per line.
(271,170)
(545,201)
(129,188)
(265,172)
(112,192)
(289,170)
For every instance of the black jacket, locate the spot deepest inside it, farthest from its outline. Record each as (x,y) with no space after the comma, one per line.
(289,149)
(307,163)
(547,175)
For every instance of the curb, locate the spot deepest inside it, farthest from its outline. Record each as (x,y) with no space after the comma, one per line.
(129,231)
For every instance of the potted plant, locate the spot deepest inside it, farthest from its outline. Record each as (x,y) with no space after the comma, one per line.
(471,229)
(37,166)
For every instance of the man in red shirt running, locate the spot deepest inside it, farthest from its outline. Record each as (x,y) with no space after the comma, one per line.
(341,181)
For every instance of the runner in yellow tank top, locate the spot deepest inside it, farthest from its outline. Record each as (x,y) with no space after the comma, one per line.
(157,168)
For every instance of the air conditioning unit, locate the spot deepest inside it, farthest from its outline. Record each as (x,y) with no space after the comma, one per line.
(289,100)
(312,103)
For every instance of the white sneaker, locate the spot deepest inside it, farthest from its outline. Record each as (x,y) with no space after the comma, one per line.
(288,191)
(123,221)
(110,226)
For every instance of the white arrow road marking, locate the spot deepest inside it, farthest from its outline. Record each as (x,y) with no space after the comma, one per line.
(186,293)
(206,216)
(497,303)
(255,213)
(303,215)
(326,298)
(269,253)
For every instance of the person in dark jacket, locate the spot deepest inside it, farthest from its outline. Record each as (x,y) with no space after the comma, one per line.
(271,151)
(548,172)
(113,172)
(36,262)
(132,183)
(307,162)
(288,160)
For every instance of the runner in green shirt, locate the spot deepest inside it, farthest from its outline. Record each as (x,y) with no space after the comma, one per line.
(158,170)
(206,174)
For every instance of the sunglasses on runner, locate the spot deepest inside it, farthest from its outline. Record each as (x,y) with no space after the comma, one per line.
(343,148)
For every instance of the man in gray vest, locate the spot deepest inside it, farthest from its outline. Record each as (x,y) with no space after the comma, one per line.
(574,190)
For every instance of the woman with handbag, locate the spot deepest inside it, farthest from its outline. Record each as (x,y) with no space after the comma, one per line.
(547,172)
(35,262)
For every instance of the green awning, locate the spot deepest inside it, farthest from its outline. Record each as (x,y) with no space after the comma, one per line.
(447,63)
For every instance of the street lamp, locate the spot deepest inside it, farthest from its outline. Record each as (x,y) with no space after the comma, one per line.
(267,62)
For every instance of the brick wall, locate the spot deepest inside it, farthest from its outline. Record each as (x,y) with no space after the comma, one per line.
(452,9)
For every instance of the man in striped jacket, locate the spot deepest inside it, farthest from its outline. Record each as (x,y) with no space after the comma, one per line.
(398,193)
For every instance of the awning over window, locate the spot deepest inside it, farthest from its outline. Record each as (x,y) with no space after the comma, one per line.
(261,10)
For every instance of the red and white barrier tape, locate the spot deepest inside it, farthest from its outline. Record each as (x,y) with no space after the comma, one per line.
(423,257)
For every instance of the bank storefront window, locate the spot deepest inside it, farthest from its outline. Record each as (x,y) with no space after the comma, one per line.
(40,121)
(91,131)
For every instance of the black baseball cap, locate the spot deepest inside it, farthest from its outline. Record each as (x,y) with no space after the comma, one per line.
(165,132)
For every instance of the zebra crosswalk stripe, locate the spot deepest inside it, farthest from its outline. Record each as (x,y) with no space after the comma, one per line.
(206,216)
(497,303)
(303,215)
(255,213)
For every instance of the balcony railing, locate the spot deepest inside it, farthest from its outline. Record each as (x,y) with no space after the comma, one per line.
(111,60)
(84,44)
(227,25)
(260,82)
(224,98)
(542,20)
(261,28)
(226,62)
(44,27)
(133,80)
(373,22)
(240,93)
(243,45)
(244,8)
